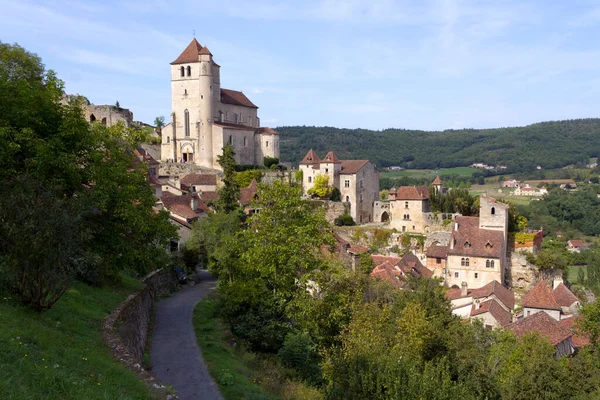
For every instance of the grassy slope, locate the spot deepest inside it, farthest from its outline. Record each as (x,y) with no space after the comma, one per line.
(240,374)
(60,354)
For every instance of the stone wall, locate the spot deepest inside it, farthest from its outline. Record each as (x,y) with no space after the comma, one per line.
(182,169)
(125,330)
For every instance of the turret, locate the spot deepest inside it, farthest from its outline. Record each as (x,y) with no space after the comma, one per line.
(205,120)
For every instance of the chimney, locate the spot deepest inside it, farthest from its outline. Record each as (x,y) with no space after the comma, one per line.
(477,304)
(194,203)
(463,289)
(456,226)
(556,281)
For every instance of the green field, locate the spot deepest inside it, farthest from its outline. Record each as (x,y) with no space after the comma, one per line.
(59,354)
(429,173)
(573,271)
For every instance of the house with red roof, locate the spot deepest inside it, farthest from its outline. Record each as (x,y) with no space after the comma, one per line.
(561,337)
(477,249)
(493,304)
(205,117)
(576,246)
(357,181)
(558,302)
(398,270)
(199,182)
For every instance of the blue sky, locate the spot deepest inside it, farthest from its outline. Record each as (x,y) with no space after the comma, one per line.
(371,64)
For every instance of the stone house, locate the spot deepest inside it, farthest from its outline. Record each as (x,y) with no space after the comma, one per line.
(492,304)
(408,205)
(436,260)
(398,270)
(183,210)
(511,183)
(199,182)
(477,250)
(559,303)
(205,117)
(560,336)
(357,181)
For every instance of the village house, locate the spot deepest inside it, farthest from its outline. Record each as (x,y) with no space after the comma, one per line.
(398,270)
(477,249)
(559,302)
(357,181)
(527,190)
(436,260)
(206,117)
(560,336)
(199,182)
(493,304)
(408,204)
(511,183)
(576,246)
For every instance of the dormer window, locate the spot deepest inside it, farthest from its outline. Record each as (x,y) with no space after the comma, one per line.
(467,244)
(488,245)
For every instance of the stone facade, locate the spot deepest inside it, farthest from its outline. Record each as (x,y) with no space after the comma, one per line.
(205,117)
(103,114)
(357,181)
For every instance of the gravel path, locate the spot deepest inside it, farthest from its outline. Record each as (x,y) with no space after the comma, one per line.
(176,357)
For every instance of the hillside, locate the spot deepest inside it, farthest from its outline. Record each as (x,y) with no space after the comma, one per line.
(549,144)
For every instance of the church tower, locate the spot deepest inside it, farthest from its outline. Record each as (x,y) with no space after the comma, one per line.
(191,138)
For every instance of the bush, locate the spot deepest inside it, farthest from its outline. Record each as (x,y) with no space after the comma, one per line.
(346,220)
(335,194)
(338,221)
(270,161)
(299,353)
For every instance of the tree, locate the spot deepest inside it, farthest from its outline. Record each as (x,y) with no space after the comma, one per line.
(581,277)
(365,263)
(320,187)
(229,194)
(159,123)
(118,105)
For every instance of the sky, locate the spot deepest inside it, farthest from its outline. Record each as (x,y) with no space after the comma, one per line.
(375,64)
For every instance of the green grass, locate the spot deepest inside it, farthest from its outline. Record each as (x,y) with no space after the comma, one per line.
(241,374)
(573,271)
(429,173)
(59,354)
(235,379)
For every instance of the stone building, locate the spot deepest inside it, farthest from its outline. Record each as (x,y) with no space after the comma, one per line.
(408,205)
(357,181)
(106,115)
(205,117)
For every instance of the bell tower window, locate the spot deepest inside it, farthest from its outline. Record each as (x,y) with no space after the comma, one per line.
(186,122)
(182,71)
(189,71)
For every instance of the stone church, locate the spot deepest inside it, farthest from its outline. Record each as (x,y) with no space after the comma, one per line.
(205,117)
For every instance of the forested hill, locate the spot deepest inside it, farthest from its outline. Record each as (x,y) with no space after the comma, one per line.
(549,144)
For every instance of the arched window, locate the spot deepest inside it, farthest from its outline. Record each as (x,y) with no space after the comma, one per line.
(182,71)
(267,143)
(493,210)
(92,118)
(487,264)
(310,180)
(492,264)
(245,141)
(189,71)
(467,262)
(168,139)
(186,122)
(467,244)
(231,140)
(347,199)
(185,92)
(462,262)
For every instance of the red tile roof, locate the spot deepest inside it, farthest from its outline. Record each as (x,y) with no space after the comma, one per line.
(330,158)
(209,196)
(470,240)
(577,243)
(504,295)
(181,205)
(378,259)
(544,324)
(357,249)
(410,264)
(540,297)
(267,131)
(239,127)
(495,309)
(386,271)
(311,158)
(205,51)
(437,251)
(352,166)
(199,179)
(412,193)
(190,54)
(248,194)
(563,296)
(437,181)
(235,97)
(578,340)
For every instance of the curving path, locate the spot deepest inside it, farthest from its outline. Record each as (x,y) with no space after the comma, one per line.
(176,357)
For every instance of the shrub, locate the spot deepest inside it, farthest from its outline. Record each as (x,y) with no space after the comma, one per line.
(335,194)
(299,353)
(347,220)
(270,161)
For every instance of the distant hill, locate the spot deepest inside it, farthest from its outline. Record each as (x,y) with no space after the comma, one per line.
(549,144)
